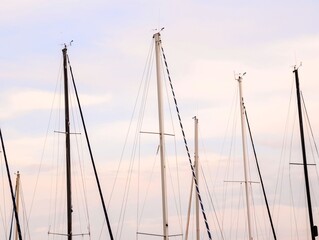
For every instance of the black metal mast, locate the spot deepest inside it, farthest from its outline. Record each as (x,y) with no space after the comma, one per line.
(11,188)
(67,145)
(313,228)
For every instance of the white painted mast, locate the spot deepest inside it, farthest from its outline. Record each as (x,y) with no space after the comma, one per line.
(189,210)
(157,38)
(17,200)
(196,172)
(196,165)
(243,131)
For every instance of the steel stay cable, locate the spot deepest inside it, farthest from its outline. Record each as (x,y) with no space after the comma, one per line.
(179,210)
(91,155)
(308,120)
(259,174)
(213,206)
(187,150)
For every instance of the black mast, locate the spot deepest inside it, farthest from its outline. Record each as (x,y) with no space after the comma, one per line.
(11,188)
(313,228)
(66,62)
(67,145)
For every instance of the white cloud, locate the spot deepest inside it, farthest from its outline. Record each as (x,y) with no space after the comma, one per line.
(19,102)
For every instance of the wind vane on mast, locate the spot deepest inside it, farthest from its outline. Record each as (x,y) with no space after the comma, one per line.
(67,45)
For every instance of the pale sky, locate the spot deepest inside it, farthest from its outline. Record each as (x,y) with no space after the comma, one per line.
(205,43)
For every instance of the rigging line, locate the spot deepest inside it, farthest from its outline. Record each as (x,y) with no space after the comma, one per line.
(234,126)
(42,154)
(126,193)
(76,200)
(146,72)
(230,153)
(131,120)
(81,168)
(279,182)
(12,219)
(126,196)
(59,204)
(206,182)
(139,127)
(313,227)
(27,228)
(3,214)
(256,218)
(259,173)
(179,210)
(131,166)
(308,120)
(91,154)
(130,125)
(312,136)
(174,194)
(187,150)
(136,140)
(55,179)
(56,155)
(312,146)
(189,210)
(11,189)
(142,112)
(76,126)
(238,207)
(138,185)
(221,154)
(290,187)
(263,218)
(294,219)
(75,193)
(212,203)
(147,189)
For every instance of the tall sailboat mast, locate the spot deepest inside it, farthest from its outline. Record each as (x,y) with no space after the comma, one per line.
(196,172)
(196,167)
(313,228)
(67,145)
(17,196)
(243,135)
(157,38)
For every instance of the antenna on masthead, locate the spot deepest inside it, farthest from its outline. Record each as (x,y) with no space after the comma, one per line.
(239,76)
(67,45)
(157,30)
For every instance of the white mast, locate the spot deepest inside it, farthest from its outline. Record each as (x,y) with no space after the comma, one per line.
(191,192)
(17,199)
(189,209)
(243,131)
(196,172)
(157,38)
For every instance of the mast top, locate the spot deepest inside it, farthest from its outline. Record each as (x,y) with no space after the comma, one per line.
(157,32)
(296,68)
(240,76)
(66,45)
(65,48)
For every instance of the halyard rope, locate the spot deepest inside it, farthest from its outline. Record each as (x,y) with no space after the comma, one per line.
(187,150)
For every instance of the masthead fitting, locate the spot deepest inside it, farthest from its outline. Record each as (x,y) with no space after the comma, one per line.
(239,76)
